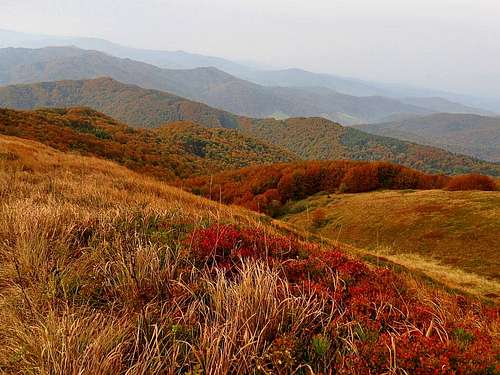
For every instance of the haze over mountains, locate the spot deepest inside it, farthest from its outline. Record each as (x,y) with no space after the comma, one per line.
(462,133)
(278,77)
(207,85)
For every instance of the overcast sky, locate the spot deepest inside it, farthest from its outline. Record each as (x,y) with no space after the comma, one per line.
(445,44)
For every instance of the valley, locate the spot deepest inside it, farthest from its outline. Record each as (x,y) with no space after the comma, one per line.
(469,134)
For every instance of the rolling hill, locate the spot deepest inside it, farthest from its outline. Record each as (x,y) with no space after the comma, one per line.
(453,233)
(208,85)
(106,271)
(320,139)
(468,134)
(128,103)
(182,149)
(310,138)
(442,226)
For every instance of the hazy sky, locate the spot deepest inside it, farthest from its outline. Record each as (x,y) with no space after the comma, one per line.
(445,44)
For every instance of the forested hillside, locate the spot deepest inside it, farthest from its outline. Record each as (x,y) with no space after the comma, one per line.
(128,103)
(310,138)
(318,138)
(181,150)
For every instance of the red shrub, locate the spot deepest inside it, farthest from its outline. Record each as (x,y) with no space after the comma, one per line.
(379,306)
(266,188)
(471,182)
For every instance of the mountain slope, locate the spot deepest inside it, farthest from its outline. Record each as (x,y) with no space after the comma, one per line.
(441,105)
(318,138)
(20,65)
(310,138)
(474,135)
(179,150)
(433,227)
(105,271)
(127,103)
(208,85)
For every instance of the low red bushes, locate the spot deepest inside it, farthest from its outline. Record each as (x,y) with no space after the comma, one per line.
(387,319)
(226,243)
(471,182)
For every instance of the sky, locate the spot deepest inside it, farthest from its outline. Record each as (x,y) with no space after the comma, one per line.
(450,45)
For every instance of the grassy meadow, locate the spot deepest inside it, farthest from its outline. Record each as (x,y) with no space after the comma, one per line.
(451,235)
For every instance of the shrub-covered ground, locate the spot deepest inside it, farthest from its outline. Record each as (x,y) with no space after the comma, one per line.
(104,271)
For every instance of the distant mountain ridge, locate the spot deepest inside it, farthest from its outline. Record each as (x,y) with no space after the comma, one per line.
(208,85)
(161,58)
(468,134)
(292,77)
(444,106)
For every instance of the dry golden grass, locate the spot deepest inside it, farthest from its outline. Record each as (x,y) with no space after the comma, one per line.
(80,264)
(450,236)
(96,278)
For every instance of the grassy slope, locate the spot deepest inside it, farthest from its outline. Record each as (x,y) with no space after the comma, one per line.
(317,138)
(181,150)
(99,275)
(418,228)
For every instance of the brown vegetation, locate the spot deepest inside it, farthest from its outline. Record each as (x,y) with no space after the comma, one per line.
(268,188)
(450,235)
(181,149)
(106,271)
(471,182)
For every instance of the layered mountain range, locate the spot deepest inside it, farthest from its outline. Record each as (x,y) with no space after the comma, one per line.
(307,138)
(208,85)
